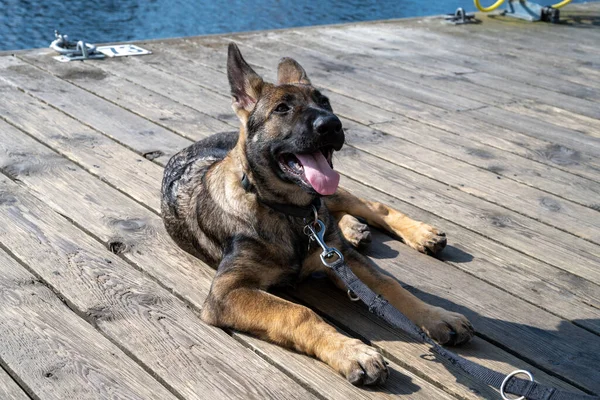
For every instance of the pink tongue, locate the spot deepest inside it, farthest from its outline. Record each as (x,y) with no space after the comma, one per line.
(318,173)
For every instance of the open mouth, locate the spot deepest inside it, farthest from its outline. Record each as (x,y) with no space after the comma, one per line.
(312,169)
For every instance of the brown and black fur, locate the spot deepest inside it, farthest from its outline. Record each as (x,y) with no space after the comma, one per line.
(211,214)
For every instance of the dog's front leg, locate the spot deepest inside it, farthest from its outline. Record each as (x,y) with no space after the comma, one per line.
(446,327)
(418,235)
(237,301)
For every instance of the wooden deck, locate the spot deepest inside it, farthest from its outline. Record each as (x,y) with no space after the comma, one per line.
(490,132)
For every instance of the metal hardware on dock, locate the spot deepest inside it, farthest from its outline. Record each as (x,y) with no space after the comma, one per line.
(80,50)
(73,50)
(460,17)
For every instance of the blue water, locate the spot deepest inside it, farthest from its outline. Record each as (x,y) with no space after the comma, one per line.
(27,24)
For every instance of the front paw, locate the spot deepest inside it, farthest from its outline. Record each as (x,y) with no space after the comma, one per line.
(355,232)
(426,239)
(360,364)
(447,327)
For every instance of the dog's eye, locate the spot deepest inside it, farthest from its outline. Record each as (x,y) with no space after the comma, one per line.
(282,108)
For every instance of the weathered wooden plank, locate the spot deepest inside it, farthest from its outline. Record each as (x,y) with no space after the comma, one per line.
(45,181)
(565,58)
(506,367)
(136,313)
(564,311)
(108,214)
(515,231)
(542,128)
(87,109)
(538,333)
(465,89)
(393,62)
(56,354)
(518,238)
(400,383)
(495,183)
(170,115)
(529,172)
(532,240)
(9,389)
(558,116)
(501,163)
(581,46)
(559,151)
(544,96)
(78,142)
(387,41)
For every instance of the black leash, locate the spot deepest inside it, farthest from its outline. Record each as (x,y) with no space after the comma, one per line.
(333,259)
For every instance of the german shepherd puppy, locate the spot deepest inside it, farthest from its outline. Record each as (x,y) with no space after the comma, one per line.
(240,202)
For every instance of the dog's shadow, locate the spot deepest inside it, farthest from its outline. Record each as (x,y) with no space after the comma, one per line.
(380,250)
(549,348)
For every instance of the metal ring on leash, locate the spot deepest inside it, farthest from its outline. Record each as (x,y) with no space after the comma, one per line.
(352,296)
(316,213)
(505,381)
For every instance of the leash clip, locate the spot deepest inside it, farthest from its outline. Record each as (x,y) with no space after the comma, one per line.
(328,254)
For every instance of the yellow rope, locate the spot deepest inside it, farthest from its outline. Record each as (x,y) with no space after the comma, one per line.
(498,3)
(561,4)
(492,7)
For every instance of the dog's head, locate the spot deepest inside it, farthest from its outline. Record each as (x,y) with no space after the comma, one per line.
(288,129)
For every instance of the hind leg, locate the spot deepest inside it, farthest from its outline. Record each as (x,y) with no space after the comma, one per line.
(418,235)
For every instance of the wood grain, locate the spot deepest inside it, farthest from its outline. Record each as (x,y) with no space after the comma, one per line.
(492,181)
(546,249)
(9,389)
(99,214)
(56,354)
(145,320)
(111,216)
(456,48)
(436,115)
(455,389)
(514,168)
(567,286)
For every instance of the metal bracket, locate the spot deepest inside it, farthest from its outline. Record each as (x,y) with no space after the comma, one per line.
(461,17)
(530,11)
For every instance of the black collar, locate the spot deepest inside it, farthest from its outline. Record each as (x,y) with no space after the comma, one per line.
(292,211)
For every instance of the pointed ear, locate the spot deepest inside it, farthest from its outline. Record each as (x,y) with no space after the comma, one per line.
(245,84)
(290,72)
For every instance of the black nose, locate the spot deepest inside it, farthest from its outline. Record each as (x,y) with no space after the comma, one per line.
(327,124)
